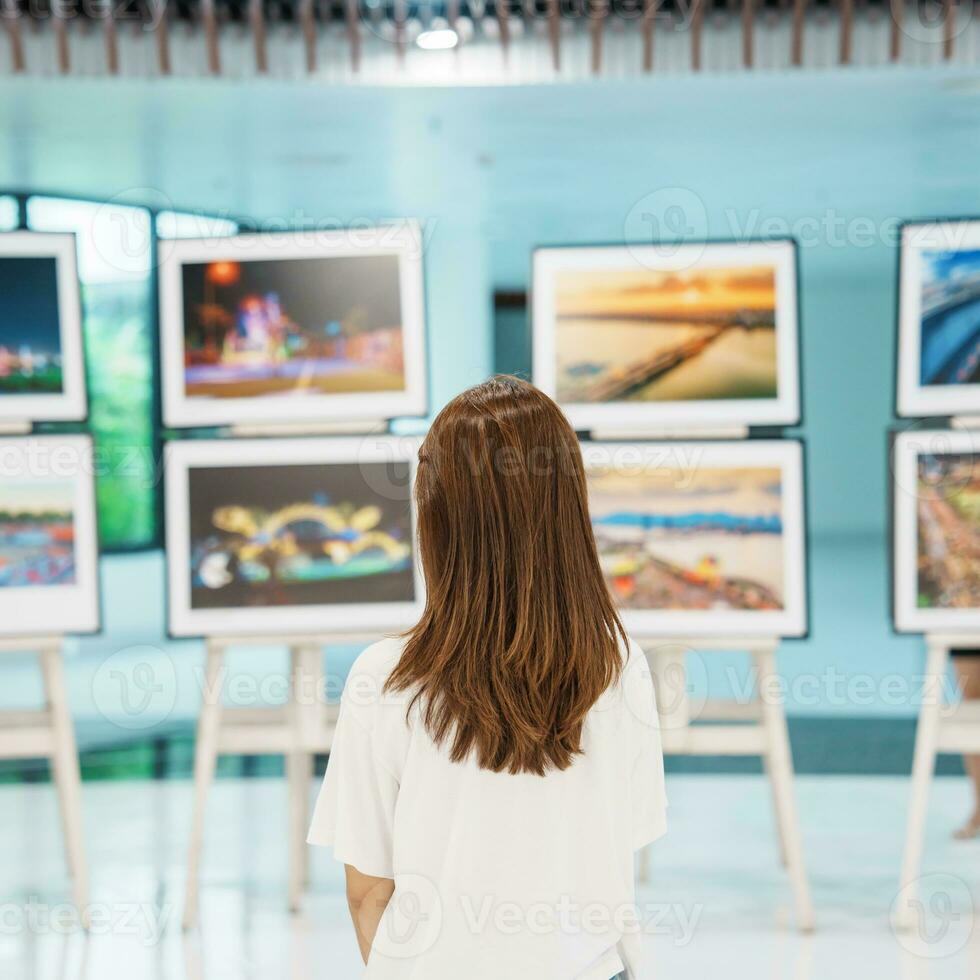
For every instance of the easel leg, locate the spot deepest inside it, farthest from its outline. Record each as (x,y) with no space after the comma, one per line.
(316,722)
(205,762)
(923,767)
(296,783)
(668,670)
(303,825)
(779,765)
(303,712)
(776,811)
(67,774)
(59,778)
(643,866)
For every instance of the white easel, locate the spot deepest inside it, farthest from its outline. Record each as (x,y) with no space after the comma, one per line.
(942,729)
(756,728)
(298,730)
(48,733)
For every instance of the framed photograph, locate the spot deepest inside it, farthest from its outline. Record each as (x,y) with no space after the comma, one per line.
(702,538)
(691,336)
(42,368)
(936,527)
(293,328)
(285,536)
(939,319)
(49,554)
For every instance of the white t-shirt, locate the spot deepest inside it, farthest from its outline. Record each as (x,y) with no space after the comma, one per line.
(496,875)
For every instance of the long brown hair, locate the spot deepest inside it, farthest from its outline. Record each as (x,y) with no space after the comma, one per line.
(519,636)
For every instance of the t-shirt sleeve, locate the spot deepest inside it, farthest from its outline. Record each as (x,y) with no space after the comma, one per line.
(355,810)
(649,795)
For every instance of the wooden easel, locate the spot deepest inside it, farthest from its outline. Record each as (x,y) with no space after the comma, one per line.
(298,730)
(943,728)
(48,733)
(756,728)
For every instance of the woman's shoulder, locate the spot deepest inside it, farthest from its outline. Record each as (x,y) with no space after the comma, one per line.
(381,656)
(636,679)
(379,659)
(634,659)
(368,702)
(631,696)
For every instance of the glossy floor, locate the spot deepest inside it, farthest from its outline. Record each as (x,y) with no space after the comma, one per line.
(717,904)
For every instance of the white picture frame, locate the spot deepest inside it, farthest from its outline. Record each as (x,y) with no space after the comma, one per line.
(688,458)
(281,619)
(908,448)
(404,240)
(71,403)
(60,468)
(915,397)
(782,409)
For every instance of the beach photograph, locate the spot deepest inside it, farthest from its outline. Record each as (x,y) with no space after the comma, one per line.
(37,533)
(640,335)
(680,539)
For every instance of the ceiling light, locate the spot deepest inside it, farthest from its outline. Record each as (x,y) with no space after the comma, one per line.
(441,40)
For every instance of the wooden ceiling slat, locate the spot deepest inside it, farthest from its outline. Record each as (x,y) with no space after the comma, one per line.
(897,18)
(162,32)
(12,21)
(554,33)
(949,28)
(697,23)
(503,23)
(748,32)
(846,30)
(111,39)
(353,35)
(597,26)
(799,19)
(62,49)
(307,20)
(210,22)
(649,25)
(452,16)
(256,20)
(400,18)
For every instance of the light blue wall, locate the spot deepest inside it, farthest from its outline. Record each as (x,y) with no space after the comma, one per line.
(837,158)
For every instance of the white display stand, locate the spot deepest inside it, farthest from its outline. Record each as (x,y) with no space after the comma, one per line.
(287,429)
(298,730)
(668,432)
(756,728)
(48,733)
(942,729)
